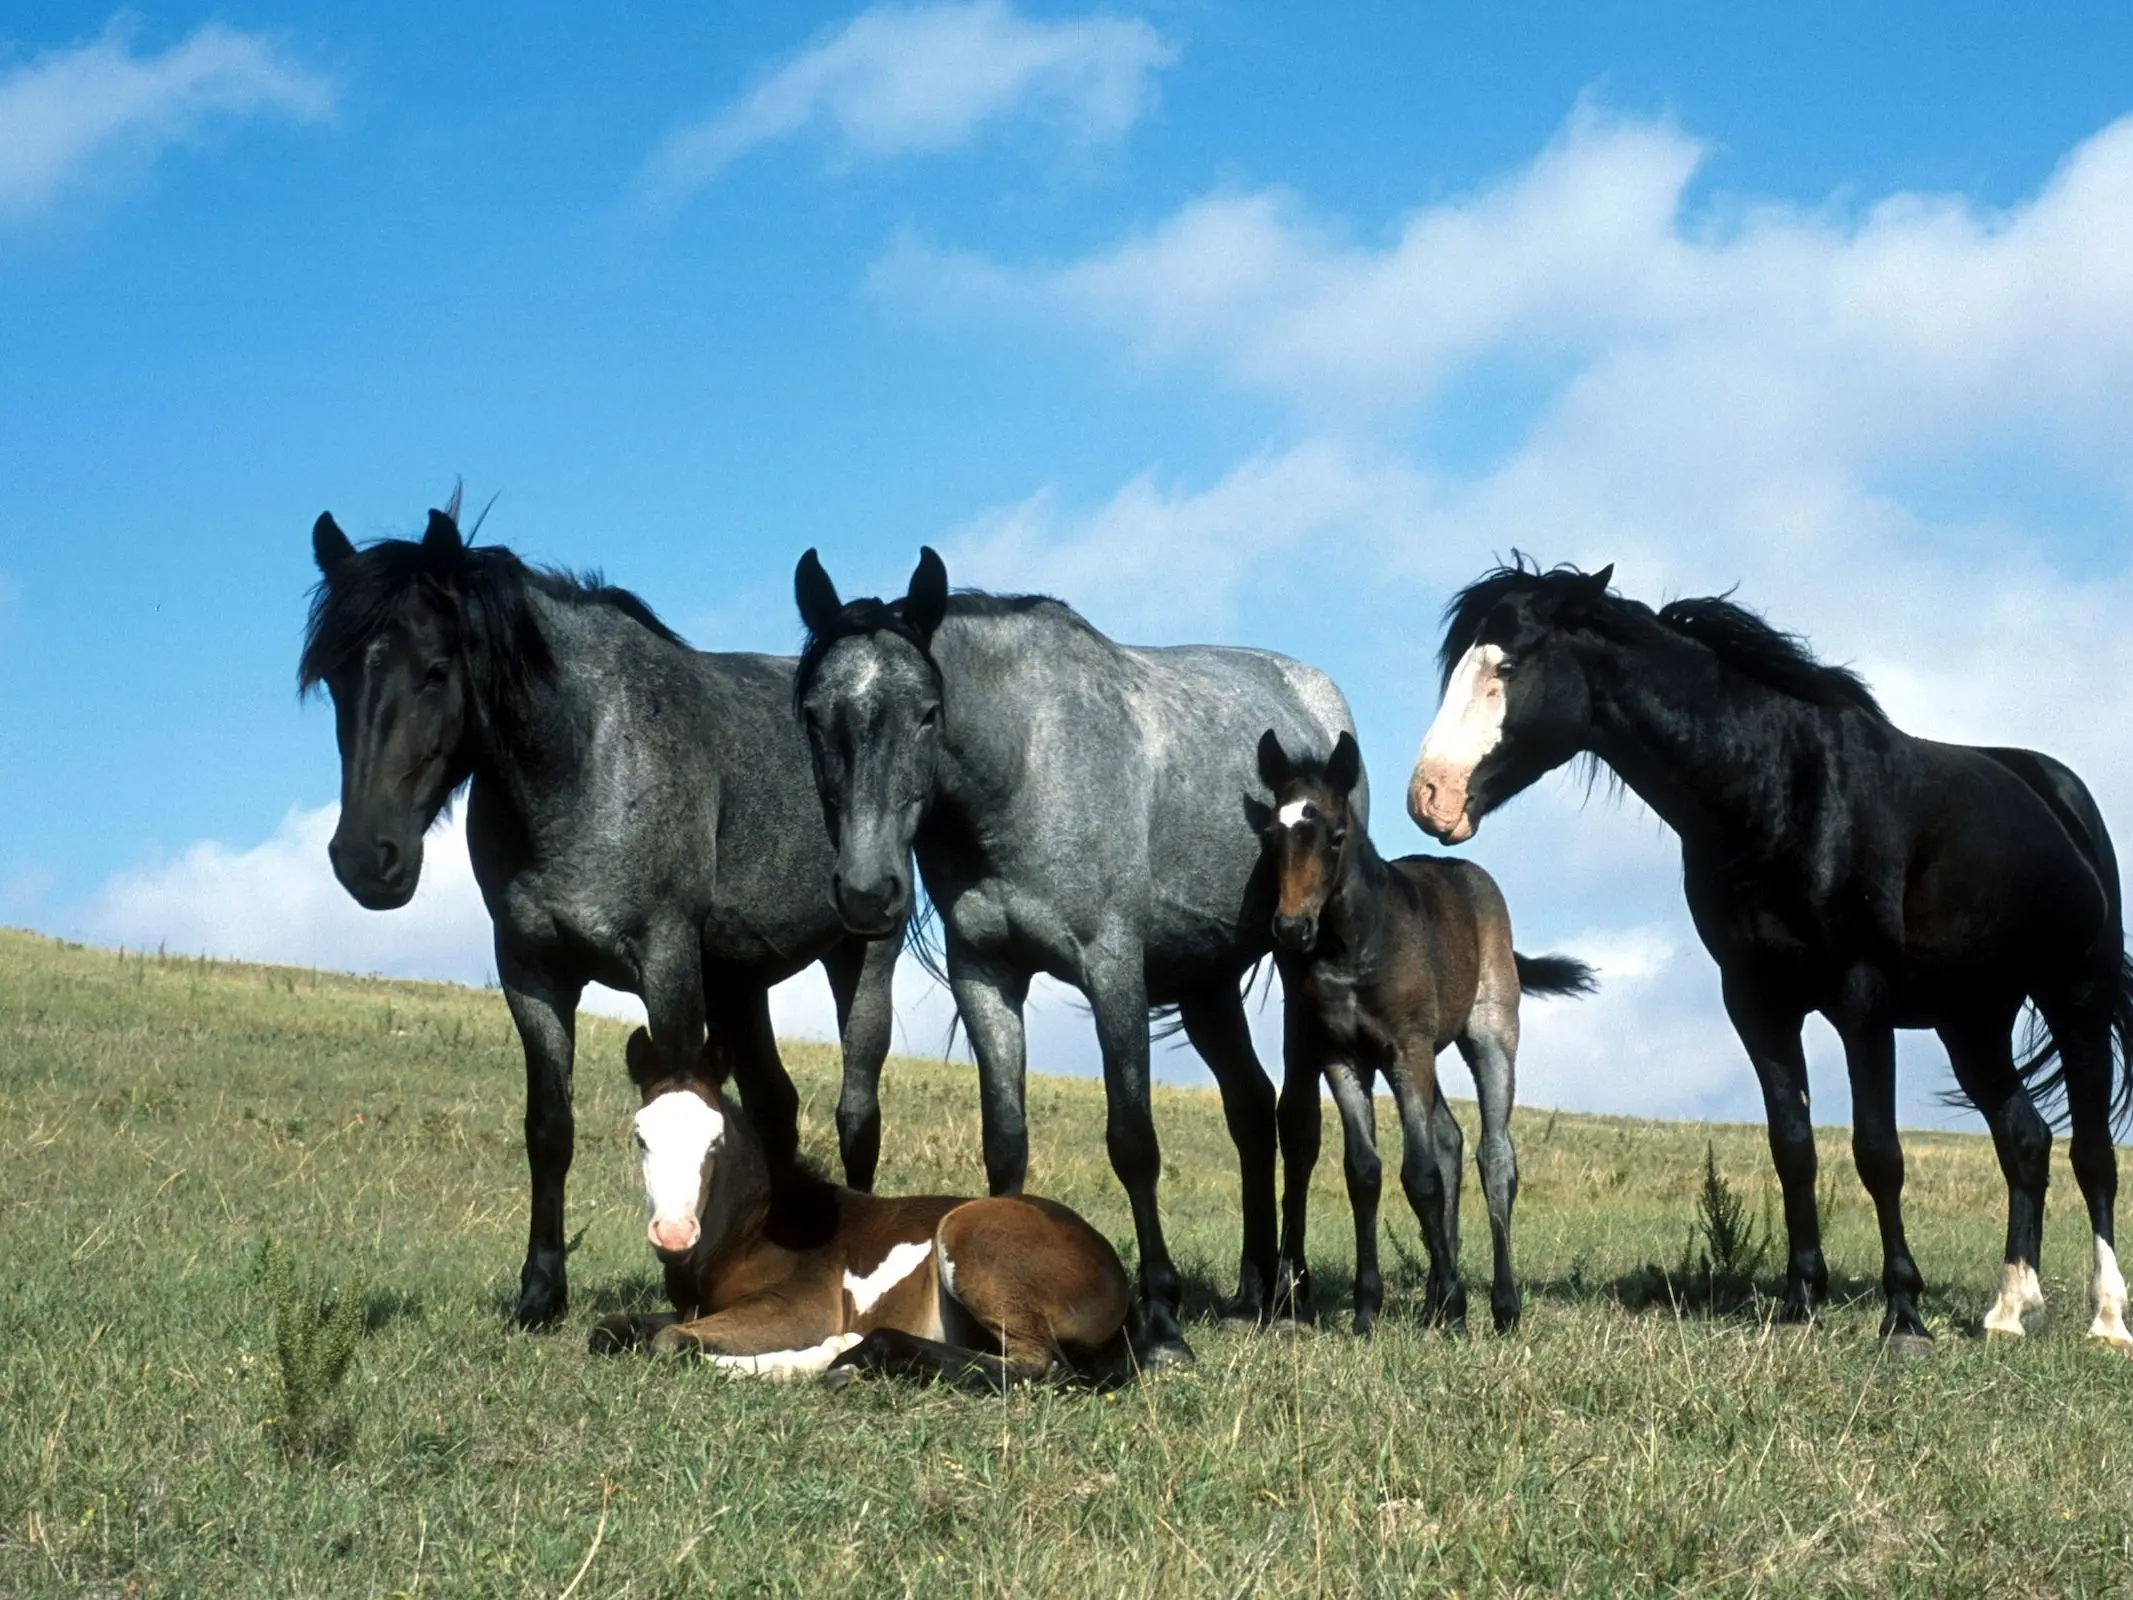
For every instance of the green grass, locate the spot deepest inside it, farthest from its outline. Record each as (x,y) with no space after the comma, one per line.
(161,1119)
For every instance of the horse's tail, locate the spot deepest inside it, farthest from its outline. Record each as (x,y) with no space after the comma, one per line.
(2042,1071)
(1554,975)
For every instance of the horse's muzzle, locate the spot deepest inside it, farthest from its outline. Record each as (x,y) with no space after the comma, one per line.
(874,910)
(1295,934)
(378,874)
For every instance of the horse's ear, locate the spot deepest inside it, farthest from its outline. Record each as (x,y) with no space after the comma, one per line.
(926,601)
(815,594)
(1595,584)
(1273,761)
(441,537)
(329,546)
(1346,764)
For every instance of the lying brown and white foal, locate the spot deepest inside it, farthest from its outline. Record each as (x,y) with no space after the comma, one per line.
(785,1274)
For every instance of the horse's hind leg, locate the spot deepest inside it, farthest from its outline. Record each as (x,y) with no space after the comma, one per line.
(1490,1049)
(1214,1022)
(1365,1176)
(860,975)
(1984,1068)
(892,1353)
(2085,1051)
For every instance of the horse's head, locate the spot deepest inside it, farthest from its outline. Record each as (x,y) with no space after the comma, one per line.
(869,696)
(680,1127)
(1516,702)
(390,639)
(1307,837)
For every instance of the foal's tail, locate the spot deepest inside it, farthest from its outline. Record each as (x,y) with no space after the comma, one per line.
(1554,975)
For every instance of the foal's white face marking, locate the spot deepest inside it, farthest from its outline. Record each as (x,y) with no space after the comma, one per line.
(2110,1293)
(676,1134)
(782,1366)
(2019,1292)
(901,1261)
(1292,814)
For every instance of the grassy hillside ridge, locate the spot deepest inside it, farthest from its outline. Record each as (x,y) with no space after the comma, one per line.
(160,1118)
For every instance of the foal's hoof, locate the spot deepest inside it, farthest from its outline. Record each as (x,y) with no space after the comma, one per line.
(613,1334)
(1907,1346)
(673,1342)
(1168,1355)
(840,1378)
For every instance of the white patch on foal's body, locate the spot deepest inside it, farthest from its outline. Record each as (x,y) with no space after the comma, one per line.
(2019,1292)
(2110,1294)
(1293,813)
(782,1366)
(901,1261)
(676,1134)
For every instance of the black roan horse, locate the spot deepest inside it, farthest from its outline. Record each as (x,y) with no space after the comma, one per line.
(1832,863)
(640,814)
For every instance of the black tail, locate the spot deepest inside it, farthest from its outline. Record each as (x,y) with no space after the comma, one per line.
(1554,975)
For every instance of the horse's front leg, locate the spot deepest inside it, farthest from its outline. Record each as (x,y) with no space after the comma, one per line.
(769,1336)
(1431,1191)
(1771,1032)
(1870,1060)
(861,972)
(1301,1123)
(1117,986)
(989,996)
(1359,1130)
(546,1012)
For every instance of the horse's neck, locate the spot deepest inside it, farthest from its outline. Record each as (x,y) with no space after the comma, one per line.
(987,698)
(1355,910)
(1703,746)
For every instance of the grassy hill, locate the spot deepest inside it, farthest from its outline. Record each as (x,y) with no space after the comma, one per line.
(159,1119)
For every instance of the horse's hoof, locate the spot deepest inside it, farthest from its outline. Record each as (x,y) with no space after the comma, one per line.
(840,1378)
(1245,1314)
(1907,1346)
(1364,1325)
(541,1307)
(1289,1325)
(612,1335)
(673,1342)
(1167,1355)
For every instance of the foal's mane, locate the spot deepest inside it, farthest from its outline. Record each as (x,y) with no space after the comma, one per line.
(487,586)
(1736,635)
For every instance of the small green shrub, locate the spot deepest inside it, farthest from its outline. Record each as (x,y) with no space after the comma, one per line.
(315,1337)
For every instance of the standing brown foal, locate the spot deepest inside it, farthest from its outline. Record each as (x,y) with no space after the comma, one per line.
(785,1274)
(1389,962)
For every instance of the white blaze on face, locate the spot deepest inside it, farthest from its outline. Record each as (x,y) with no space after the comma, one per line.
(1468,725)
(1293,813)
(676,1134)
(2019,1292)
(901,1261)
(2110,1292)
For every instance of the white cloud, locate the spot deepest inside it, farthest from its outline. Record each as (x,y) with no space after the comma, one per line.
(921,80)
(69,117)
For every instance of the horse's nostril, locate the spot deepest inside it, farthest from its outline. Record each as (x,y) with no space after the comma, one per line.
(388,859)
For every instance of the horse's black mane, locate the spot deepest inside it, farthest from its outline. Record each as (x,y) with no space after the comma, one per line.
(1733,633)
(872,615)
(487,585)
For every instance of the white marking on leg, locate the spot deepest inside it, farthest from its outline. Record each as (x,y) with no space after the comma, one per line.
(2019,1292)
(782,1366)
(2110,1295)
(676,1134)
(901,1261)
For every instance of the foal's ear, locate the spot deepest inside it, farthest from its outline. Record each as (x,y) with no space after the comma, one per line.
(1346,764)
(926,601)
(642,1055)
(329,546)
(1595,585)
(1273,761)
(441,537)
(815,594)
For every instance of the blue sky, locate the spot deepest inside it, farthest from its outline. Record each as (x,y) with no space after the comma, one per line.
(1245,322)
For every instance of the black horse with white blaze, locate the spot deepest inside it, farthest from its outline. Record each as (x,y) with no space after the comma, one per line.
(1832,863)
(1083,809)
(640,814)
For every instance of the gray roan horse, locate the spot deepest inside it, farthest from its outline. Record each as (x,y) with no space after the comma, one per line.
(639,814)
(1081,809)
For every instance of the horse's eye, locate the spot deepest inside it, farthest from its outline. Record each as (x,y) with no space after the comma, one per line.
(930,717)
(436,676)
